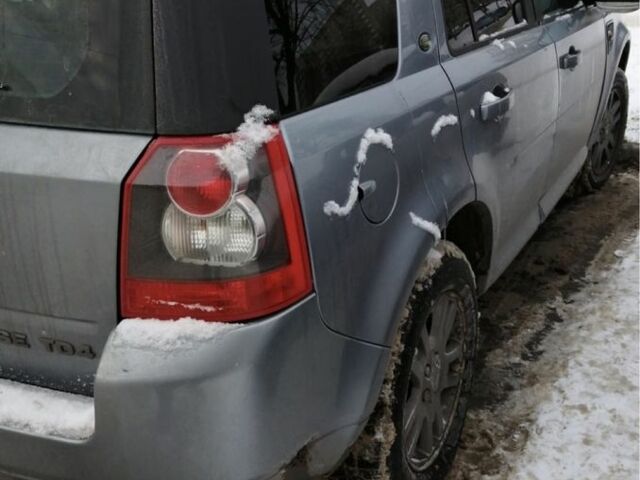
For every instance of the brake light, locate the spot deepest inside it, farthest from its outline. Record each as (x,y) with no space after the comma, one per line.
(198,183)
(202,240)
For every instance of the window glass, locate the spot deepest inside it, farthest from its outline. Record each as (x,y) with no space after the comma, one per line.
(326,49)
(494,17)
(78,63)
(42,45)
(459,31)
(549,8)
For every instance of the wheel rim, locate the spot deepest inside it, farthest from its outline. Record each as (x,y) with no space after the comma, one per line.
(603,152)
(435,382)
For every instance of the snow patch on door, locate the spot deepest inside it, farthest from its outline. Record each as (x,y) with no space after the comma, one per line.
(442,122)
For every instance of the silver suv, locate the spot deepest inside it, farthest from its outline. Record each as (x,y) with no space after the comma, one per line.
(244,239)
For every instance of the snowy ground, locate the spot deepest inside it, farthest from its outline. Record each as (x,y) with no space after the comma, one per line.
(633,75)
(557,390)
(586,424)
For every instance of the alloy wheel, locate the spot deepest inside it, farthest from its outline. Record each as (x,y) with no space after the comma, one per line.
(435,382)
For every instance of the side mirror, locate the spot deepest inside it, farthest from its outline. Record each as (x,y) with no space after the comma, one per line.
(616,6)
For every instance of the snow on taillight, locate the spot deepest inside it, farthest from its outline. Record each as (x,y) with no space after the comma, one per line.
(211,239)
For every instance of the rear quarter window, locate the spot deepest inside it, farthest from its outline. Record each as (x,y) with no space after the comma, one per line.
(323,50)
(77,63)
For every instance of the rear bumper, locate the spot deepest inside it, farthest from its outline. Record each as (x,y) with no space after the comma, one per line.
(240,407)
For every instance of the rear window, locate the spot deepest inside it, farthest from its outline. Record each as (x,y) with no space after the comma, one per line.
(77,63)
(323,50)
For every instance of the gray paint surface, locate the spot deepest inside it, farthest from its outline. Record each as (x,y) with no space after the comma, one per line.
(238,407)
(242,407)
(59,215)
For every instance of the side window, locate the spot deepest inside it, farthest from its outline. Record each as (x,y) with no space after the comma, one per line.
(472,21)
(459,31)
(495,17)
(549,8)
(327,49)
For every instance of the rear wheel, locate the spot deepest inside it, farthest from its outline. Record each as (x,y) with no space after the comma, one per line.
(610,134)
(435,371)
(416,427)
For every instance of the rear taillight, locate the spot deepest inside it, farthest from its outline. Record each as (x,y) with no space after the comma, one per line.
(204,240)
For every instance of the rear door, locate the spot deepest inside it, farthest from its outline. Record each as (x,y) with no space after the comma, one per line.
(84,65)
(580,39)
(502,66)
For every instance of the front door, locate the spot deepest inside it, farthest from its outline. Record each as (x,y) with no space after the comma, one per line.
(579,35)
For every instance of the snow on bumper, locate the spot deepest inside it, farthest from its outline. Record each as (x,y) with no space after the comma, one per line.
(41,411)
(195,400)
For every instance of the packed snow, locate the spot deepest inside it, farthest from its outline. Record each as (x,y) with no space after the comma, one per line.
(41,411)
(498,43)
(168,335)
(442,122)
(633,76)
(426,225)
(247,140)
(488,98)
(588,426)
(370,137)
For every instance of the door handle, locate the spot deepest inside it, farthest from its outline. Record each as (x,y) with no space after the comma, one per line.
(570,60)
(497,104)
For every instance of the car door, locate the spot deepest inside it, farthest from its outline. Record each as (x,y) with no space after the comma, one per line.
(579,34)
(502,66)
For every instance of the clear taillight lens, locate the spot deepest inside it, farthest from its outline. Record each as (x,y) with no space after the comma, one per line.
(232,238)
(200,241)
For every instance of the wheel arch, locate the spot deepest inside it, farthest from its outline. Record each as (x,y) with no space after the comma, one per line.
(471,230)
(624,58)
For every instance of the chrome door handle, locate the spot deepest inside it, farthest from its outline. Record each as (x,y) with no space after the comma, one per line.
(497,108)
(570,60)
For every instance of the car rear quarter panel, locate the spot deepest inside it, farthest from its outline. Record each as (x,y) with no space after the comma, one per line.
(364,272)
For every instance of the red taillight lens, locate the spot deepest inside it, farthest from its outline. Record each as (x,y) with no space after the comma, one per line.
(198,183)
(247,260)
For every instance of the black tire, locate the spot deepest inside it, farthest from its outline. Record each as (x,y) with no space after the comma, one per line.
(610,135)
(382,451)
